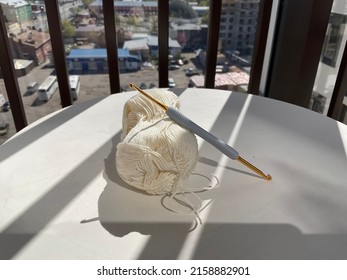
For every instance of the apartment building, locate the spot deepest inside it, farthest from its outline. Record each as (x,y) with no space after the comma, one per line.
(238,25)
(18,15)
(31,45)
(125,8)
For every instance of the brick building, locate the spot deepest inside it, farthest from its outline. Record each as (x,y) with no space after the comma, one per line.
(32,45)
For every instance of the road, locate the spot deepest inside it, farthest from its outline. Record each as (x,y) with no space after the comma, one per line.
(92,86)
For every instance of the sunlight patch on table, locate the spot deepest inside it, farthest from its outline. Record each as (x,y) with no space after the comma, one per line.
(192,239)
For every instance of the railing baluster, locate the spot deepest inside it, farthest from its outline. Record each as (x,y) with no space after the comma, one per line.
(10,79)
(212,42)
(58,49)
(111,44)
(163,42)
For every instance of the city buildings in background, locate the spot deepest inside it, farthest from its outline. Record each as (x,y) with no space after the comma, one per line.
(137,36)
(18,15)
(238,25)
(137,27)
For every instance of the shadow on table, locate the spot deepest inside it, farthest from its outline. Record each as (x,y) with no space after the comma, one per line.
(20,232)
(236,241)
(217,240)
(124,210)
(121,216)
(266,242)
(41,129)
(120,202)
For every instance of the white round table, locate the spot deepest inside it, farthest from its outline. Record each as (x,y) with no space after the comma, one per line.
(61,196)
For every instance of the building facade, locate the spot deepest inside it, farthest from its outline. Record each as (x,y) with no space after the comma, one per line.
(126,8)
(95,61)
(31,45)
(238,25)
(17,12)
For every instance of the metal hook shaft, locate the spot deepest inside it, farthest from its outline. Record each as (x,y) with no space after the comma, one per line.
(252,167)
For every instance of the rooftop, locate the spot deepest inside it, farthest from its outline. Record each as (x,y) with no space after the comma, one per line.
(149,41)
(90,27)
(33,38)
(230,79)
(96,53)
(127,3)
(185,26)
(137,44)
(153,41)
(15,3)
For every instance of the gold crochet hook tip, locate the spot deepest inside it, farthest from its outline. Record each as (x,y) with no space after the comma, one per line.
(253,168)
(164,107)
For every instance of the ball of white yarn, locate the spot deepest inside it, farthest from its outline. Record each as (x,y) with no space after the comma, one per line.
(141,108)
(156,154)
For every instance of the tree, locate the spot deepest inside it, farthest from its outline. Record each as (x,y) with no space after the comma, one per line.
(204,3)
(75,10)
(68,29)
(118,20)
(133,20)
(154,25)
(205,18)
(87,2)
(181,9)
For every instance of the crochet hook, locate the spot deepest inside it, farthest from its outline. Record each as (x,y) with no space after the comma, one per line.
(182,120)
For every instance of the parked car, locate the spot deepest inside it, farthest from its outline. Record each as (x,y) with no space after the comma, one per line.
(171,83)
(198,51)
(32,87)
(179,62)
(185,61)
(143,86)
(152,85)
(6,107)
(4,126)
(174,67)
(191,72)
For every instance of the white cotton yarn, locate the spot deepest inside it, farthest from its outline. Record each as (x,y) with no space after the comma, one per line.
(140,108)
(155,154)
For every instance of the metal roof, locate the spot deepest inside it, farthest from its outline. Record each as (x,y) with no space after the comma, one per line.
(97,53)
(225,79)
(153,41)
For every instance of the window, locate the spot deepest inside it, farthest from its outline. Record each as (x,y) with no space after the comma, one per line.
(234,55)
(83,32)
(33,61)
(334,44)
